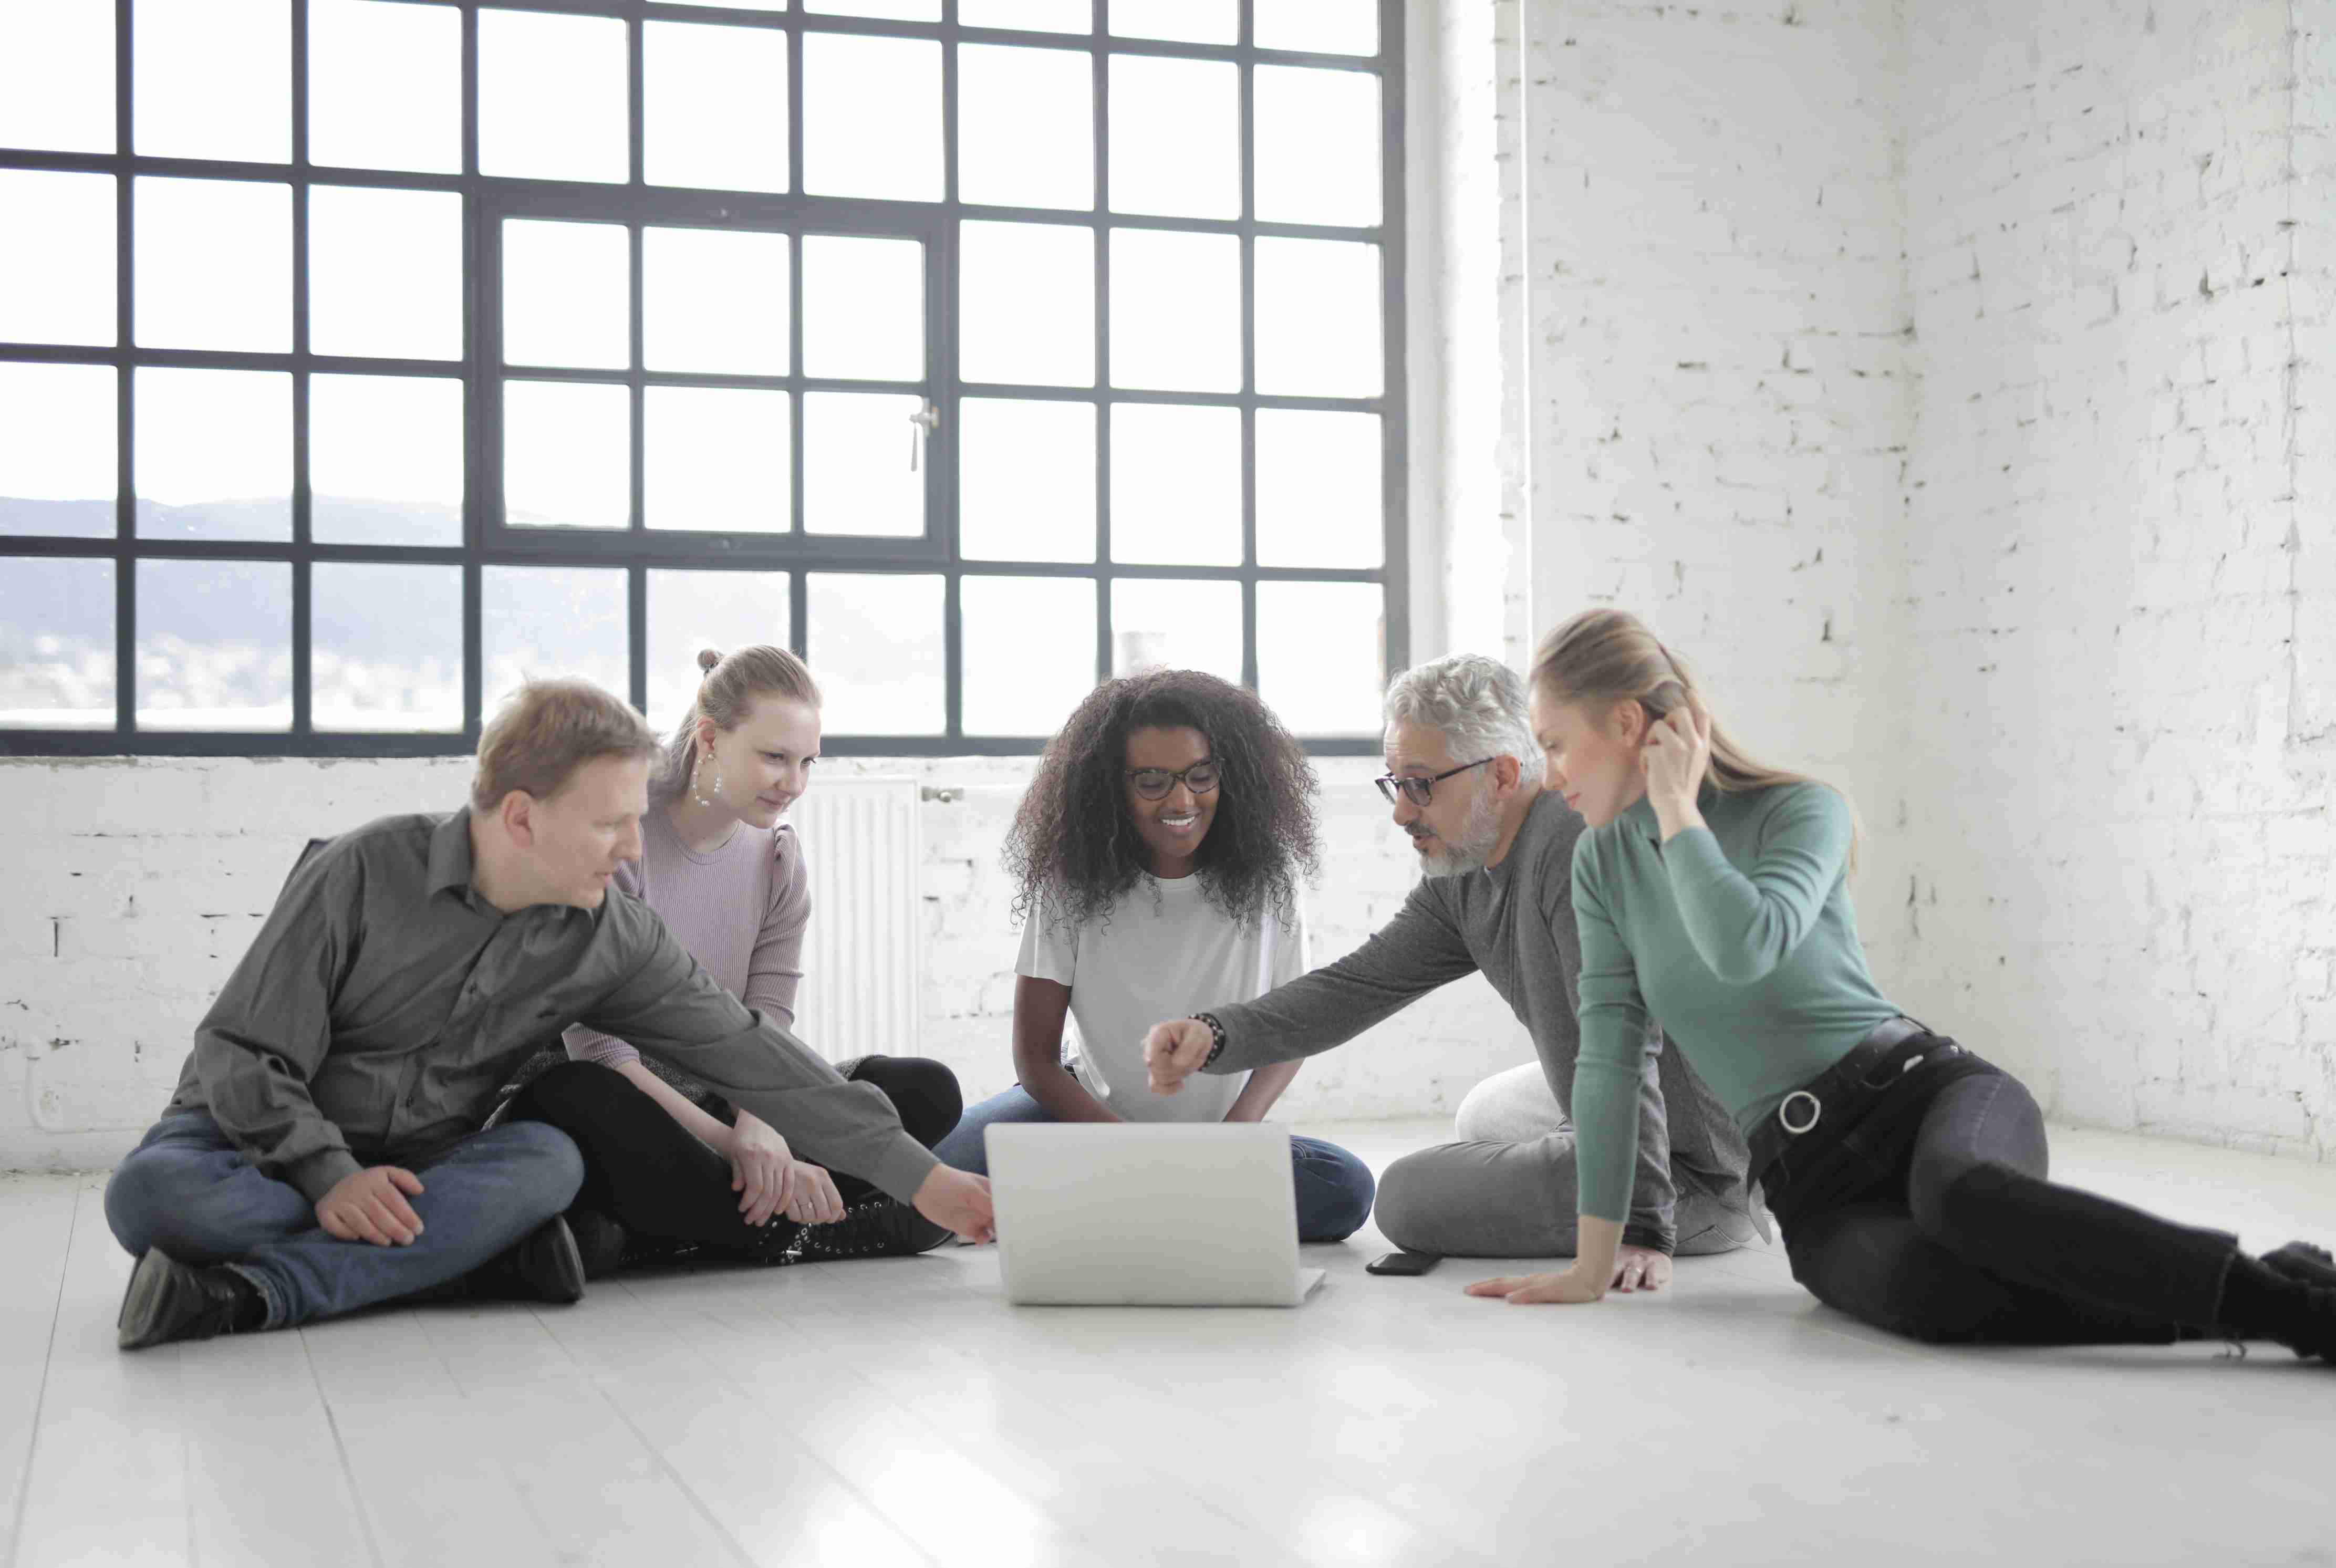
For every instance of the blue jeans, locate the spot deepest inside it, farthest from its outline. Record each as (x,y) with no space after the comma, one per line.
(187,1190)
(1334,1188)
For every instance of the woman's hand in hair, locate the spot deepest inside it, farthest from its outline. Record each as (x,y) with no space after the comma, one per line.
(1675,757)
(762,1170)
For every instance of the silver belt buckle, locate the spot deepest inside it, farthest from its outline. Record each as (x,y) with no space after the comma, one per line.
(1785,1112)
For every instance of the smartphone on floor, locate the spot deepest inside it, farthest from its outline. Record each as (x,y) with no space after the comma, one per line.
(1403,1263)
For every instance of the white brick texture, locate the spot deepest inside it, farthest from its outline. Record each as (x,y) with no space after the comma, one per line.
(1719,366)
(2124,614)
(1955,379)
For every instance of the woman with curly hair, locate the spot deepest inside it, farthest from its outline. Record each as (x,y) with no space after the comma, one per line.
(1159,856)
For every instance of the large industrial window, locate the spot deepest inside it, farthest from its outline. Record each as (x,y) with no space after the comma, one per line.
(360,357)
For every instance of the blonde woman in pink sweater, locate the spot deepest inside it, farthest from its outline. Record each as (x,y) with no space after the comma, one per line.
(670,1167)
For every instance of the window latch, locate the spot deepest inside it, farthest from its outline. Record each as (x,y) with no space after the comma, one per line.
(927,419)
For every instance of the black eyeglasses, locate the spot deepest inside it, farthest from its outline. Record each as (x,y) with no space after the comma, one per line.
(1420,790)
(1155,782)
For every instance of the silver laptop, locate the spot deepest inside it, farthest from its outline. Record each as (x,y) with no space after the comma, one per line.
(1146,1214)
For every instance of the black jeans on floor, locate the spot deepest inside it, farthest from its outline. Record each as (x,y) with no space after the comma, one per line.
(651,1175)
(1962,1240)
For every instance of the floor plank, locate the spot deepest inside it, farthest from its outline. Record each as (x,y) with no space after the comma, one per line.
(599,1494)
(108,1476)
(36,1221)
(269,1485)
(736,1426)
(431,1482)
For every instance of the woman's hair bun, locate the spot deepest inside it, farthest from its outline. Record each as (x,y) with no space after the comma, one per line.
(707,658)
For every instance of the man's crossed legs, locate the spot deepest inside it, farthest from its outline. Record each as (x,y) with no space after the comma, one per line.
(188,1193)
(1509,1189)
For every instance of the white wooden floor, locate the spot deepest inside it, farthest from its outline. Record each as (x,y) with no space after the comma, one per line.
(900,1412)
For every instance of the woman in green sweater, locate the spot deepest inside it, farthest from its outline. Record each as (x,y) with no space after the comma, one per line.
(1908,1174)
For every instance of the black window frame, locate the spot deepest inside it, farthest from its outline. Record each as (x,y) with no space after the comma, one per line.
(488,542)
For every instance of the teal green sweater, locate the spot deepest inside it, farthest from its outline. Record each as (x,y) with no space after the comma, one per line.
(1738,938)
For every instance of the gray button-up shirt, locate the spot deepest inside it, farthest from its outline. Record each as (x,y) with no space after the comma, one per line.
(385,1001)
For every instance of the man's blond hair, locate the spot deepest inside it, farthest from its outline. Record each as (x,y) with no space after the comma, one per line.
(547,729)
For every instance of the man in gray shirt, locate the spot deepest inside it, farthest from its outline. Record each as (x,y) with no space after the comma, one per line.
(321,1152)
(1464,778)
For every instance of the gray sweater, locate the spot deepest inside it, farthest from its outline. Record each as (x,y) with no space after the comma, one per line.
(1515,921)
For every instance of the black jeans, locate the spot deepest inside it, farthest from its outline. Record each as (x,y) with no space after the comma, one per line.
(651,1175)
(1960,1239)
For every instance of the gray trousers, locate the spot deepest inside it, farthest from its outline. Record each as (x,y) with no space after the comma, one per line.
(1508,1189)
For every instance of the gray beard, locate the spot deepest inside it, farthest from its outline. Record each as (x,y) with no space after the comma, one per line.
(1478,834)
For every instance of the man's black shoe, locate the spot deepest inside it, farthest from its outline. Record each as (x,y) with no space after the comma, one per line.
(168,1300)
(878,1228)
(545,1267)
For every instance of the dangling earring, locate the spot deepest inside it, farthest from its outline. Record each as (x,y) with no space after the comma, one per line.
(694,774)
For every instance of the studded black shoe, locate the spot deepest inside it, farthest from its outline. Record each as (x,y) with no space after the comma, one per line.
(168,1301)
(772,1244)
(877,1228)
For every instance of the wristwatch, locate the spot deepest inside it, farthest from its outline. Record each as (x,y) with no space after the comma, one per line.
(1217,1036)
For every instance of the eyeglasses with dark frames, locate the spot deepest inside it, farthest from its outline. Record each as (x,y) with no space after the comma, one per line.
(1155,782)
(1420,790)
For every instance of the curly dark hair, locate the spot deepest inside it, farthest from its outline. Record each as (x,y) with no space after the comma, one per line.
(1074,845)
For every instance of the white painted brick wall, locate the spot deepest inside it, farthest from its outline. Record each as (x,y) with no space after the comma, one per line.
(2119,542)
(1906,362)
(140,883)
(1718,359)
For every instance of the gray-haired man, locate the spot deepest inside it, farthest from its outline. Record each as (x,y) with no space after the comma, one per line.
(1463,774)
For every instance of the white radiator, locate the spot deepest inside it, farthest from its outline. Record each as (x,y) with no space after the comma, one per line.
(863,955)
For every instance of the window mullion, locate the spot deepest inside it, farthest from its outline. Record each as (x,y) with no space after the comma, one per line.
(1105,630)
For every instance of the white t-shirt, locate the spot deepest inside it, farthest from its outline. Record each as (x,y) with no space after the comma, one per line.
(1163,951)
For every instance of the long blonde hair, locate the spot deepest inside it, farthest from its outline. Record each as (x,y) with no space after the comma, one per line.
(1603,657)
(726,694)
